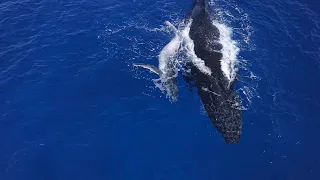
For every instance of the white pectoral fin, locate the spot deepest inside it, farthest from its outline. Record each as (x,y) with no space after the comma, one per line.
(171,26)
(149,67)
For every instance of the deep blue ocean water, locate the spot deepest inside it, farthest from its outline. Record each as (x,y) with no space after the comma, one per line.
(73,107)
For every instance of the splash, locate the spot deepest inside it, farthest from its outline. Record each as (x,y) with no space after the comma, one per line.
(167,68)
(230,51)
(238,27)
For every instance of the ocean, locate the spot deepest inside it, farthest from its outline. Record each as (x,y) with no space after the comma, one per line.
(72,106)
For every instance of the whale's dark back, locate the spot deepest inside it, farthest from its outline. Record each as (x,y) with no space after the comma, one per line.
(217,95)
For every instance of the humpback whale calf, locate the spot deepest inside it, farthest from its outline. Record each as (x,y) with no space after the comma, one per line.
(216,90)
(167,68)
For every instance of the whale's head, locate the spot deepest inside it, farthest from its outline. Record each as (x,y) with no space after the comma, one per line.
(201,3)
(199,6)
(202,9)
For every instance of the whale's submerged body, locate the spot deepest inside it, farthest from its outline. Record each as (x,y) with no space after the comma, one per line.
(216,90)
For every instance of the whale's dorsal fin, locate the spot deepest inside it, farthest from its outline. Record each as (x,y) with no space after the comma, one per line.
(151,68)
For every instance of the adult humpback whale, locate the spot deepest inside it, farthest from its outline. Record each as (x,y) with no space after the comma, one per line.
(216,90)
(205,67)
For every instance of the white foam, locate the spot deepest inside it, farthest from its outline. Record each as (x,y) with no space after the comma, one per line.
(167,56)
(230,51)
(168,66)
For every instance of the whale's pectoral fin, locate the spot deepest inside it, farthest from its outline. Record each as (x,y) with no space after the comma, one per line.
(150,67)
(171,26)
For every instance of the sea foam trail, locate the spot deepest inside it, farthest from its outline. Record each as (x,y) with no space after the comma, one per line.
(230,51)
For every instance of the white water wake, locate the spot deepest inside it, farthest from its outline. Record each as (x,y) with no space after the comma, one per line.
(230,51)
